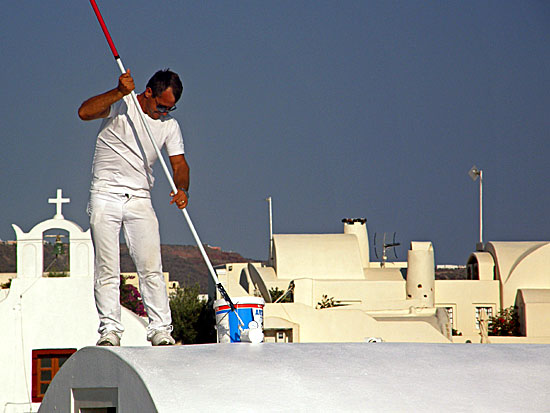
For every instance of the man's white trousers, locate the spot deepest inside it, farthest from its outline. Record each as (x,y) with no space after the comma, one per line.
(135,215)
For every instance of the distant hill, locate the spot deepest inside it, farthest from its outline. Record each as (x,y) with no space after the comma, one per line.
(7,258)
(184,262)
(450,273)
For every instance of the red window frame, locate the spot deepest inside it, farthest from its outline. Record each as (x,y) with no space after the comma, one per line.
(41,369)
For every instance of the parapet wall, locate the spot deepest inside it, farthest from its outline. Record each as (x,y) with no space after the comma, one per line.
(307,377)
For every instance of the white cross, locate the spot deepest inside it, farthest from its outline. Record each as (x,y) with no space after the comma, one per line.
(59,201)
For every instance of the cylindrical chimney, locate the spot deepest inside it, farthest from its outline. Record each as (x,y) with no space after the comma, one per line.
(421,273)
(358,227)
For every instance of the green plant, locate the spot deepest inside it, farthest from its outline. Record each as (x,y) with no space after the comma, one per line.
(193,319)
(276,293)
(505,323)
(326,302)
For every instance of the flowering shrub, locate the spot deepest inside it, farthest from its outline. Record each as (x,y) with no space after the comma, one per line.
(130,297)
(505,323)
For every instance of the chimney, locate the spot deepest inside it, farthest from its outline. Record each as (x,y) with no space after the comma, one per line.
(358,227)
(420,282)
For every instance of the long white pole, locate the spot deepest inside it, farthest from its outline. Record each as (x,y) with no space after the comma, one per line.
(169,177)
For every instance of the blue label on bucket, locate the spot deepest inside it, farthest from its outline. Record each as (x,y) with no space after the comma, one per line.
(247,313)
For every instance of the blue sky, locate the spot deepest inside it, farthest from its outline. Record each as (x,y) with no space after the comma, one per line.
(372,109)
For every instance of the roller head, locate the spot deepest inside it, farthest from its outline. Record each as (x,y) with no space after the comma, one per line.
(252,335)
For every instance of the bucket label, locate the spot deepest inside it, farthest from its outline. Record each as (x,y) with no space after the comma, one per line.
(227,322)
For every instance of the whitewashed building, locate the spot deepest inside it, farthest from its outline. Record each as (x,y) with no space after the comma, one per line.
(368,300)
(44,320)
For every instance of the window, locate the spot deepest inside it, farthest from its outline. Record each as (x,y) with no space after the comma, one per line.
(45,365)
(488,311)
(450,309)
(96,400)
(450,313)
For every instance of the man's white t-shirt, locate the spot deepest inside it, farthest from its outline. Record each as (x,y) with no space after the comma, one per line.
(119,166)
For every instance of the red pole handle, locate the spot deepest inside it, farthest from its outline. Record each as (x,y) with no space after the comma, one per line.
(104,28)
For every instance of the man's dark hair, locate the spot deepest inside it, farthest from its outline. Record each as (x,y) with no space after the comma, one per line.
(164,79)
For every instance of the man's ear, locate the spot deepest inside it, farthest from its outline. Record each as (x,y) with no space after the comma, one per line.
(148,93)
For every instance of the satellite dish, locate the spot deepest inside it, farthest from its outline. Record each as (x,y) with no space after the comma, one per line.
(259,283)
(474,173)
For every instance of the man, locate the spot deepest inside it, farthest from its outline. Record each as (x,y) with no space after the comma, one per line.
(120,197)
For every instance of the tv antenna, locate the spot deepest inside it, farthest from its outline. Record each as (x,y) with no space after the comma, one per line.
(386,245)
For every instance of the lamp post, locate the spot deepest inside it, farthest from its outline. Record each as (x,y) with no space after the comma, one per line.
(474,173)
(268,199)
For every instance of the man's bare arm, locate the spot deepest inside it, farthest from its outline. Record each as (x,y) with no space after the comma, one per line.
(98,106)
(180,169)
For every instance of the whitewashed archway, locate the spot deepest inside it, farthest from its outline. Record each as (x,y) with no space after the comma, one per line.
(30,256)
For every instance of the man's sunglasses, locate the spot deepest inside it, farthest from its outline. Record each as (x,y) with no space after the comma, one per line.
(165,109)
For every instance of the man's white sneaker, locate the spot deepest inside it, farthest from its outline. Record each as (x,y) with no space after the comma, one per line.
(109,339)
(162,338)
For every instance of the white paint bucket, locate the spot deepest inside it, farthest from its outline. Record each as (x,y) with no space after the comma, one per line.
(250,310)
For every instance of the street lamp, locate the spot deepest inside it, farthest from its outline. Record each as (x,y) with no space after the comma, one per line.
(268,199)
(474,173)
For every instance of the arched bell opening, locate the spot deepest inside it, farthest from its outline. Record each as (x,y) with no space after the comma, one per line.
(56,253)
